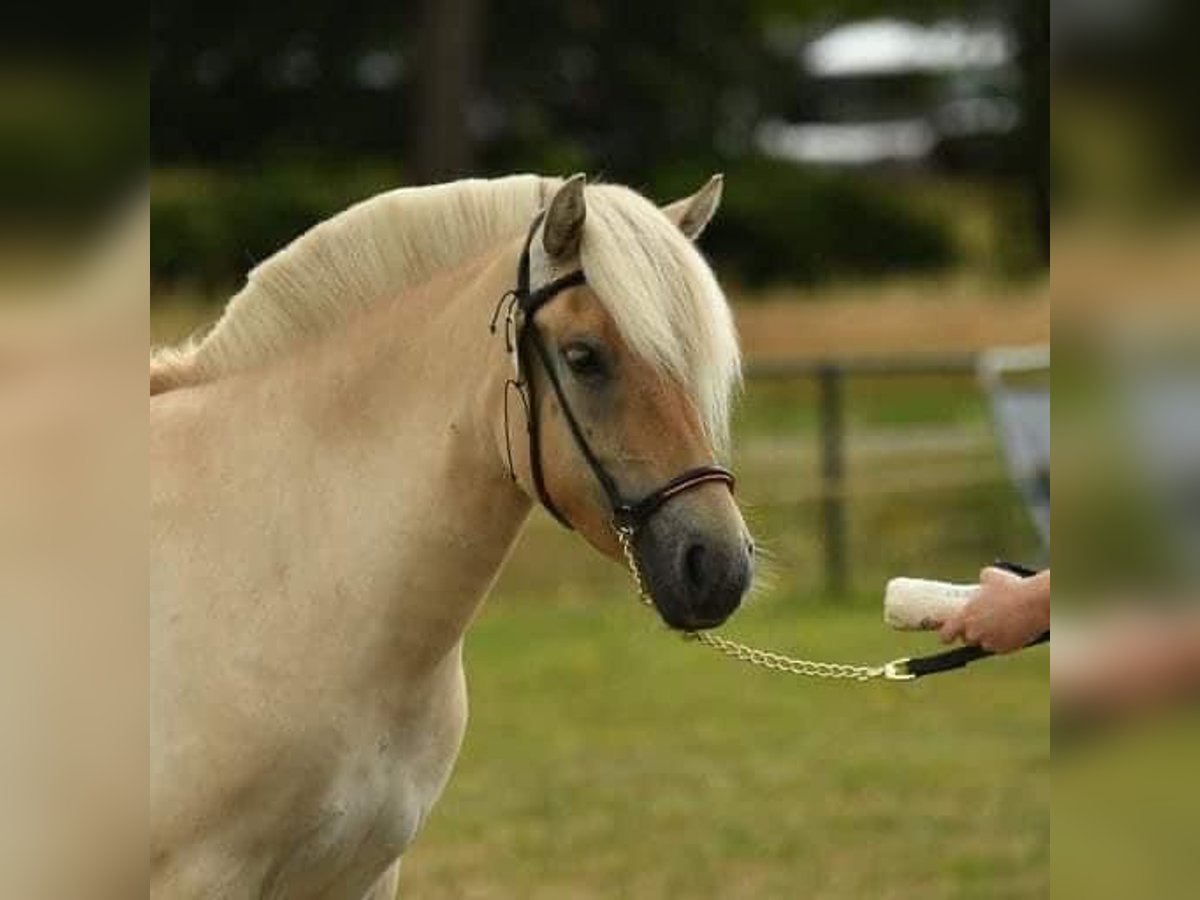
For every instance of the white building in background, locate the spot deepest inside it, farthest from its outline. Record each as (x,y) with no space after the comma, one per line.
(892,91)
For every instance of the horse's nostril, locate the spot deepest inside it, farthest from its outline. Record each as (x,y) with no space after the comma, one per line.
(693,565)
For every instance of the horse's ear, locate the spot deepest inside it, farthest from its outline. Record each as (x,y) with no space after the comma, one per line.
(693,213)
(564,219)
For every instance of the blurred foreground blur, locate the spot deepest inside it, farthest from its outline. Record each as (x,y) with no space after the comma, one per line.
(1125,278)
(73,652)
(74,294)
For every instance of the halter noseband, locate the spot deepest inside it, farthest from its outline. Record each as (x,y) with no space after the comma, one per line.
(521,338)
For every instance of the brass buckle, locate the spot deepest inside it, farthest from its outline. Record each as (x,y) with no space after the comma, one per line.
(897,670)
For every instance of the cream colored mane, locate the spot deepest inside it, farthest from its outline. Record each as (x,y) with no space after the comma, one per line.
(660,292)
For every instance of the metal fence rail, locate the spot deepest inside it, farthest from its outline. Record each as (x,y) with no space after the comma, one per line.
(830,376)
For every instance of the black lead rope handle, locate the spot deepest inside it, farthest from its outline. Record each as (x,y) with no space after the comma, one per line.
(949,660)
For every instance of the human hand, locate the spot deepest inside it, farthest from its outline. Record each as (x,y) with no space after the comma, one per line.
(1006,613)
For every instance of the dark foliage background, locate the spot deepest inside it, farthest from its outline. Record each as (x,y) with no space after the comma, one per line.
(265,119)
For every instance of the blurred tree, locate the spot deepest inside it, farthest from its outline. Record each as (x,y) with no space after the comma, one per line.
(238,83)
(1032,27)
(567,82)
(446,56)
(657,95)
(73,135)
(234,82)
(669,80)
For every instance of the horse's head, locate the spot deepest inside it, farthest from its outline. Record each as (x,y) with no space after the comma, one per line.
(631,374)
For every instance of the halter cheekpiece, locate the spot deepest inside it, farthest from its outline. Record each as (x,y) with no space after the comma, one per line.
(522,338)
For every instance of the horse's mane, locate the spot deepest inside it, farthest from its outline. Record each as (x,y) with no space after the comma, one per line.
(345,264)
(660,292)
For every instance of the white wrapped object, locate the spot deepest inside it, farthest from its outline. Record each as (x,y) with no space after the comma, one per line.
(918,604)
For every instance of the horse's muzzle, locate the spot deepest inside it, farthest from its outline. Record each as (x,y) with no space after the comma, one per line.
(696,575)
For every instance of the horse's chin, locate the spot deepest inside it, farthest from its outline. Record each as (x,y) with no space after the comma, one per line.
(685,622)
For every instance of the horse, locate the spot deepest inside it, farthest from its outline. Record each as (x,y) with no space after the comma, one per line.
(338,472)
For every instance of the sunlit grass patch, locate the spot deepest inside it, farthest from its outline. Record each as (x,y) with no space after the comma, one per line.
(607,758)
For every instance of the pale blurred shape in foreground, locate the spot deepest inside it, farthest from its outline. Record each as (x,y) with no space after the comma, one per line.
(73,650)
(1125,273)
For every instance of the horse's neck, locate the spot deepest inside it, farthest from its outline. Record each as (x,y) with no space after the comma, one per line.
(410,398)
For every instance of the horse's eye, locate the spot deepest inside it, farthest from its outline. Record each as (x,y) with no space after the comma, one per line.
(583,360)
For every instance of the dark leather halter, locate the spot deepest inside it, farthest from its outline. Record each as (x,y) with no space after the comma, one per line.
(523,338)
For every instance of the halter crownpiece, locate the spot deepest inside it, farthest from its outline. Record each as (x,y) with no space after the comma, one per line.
(522,336)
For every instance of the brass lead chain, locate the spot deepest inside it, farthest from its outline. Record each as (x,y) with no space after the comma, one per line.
(777,662)
(625,537)
(895,670)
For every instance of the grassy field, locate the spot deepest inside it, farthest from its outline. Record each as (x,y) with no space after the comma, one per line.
(1125,812)
(607,759)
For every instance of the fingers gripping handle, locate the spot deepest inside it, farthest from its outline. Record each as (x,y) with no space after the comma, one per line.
(919,604)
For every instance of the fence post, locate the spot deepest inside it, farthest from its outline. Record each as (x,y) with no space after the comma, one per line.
(831,409)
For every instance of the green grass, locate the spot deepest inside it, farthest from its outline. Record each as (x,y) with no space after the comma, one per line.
(789,405)
(607,758)
(1125,805)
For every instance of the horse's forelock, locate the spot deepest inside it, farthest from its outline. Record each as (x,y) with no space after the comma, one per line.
(663,297)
